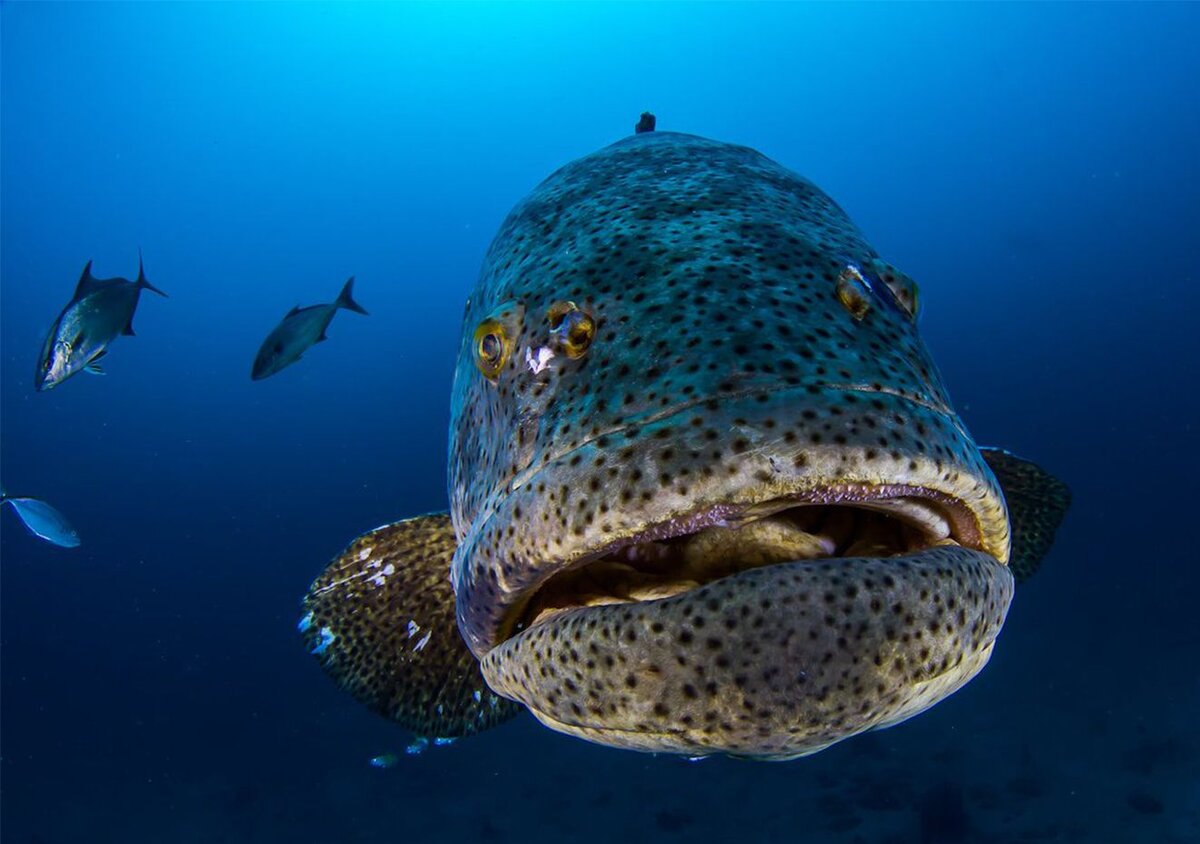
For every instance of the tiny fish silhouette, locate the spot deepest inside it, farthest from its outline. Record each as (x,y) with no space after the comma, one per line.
(300,329)
(100,311)
(43,521)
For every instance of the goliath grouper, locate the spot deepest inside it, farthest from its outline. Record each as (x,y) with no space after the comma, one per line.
(707,490)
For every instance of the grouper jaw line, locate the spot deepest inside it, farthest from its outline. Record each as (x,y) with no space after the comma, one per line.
(920,518)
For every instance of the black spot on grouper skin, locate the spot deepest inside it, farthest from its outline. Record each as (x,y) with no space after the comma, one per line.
(772,663)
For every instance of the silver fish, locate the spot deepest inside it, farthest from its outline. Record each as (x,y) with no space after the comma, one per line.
(300,329)
(43,521)
(100,311)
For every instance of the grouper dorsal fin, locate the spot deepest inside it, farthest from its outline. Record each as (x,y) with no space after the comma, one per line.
(1037,502)
(381,620)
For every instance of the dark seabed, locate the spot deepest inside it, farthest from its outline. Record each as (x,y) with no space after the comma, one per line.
(1034,167)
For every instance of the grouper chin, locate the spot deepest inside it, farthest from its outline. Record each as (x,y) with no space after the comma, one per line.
(708,493)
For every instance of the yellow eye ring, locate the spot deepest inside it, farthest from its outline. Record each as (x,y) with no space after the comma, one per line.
(573,329)
(492,348)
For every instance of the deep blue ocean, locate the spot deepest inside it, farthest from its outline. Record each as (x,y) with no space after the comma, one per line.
(1036,168)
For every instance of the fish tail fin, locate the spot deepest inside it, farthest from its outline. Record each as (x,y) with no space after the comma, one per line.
(345,299)
(142,281)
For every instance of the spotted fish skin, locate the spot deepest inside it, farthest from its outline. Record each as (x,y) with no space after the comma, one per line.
(834,634)
(725,372)
(376,620)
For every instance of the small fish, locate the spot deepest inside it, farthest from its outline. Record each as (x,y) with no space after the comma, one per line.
(43,521)
(300,328)
(100,311)
(383,760)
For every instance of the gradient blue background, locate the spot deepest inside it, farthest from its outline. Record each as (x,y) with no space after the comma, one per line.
(1034,167)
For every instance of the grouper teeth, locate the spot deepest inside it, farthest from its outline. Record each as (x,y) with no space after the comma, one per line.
(915,511)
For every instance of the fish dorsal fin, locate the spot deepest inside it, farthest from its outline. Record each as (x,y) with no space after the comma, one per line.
(292,312)
(381,620)
(1037,502)
(86,281)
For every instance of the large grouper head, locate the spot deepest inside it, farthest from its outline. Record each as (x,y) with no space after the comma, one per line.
(708,493)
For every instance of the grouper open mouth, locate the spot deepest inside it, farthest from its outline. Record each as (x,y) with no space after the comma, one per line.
(687,552)
(771,631)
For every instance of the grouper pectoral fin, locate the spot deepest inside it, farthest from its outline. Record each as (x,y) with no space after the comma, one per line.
(1037,502)
(381,620)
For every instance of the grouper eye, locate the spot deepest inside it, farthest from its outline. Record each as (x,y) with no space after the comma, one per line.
(573,329)
(853,292)
(492,348)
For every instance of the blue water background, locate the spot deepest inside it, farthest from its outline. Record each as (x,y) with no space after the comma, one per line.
(1034,167)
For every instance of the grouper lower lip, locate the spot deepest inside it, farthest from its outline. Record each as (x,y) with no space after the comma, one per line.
(773,662)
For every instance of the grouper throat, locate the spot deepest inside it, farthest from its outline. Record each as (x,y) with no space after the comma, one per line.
(708,493)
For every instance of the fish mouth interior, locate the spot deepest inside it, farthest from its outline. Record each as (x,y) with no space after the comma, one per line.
(685,554)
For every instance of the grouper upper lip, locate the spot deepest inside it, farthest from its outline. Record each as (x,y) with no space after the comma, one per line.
(966,495)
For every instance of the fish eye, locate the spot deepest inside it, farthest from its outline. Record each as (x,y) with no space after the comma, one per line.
(853,292)
(573,329)
(492,348)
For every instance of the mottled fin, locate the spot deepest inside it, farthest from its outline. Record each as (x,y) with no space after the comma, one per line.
(1037,502)
(381,620)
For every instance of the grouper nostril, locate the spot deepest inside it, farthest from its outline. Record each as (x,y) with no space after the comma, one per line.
(773,662)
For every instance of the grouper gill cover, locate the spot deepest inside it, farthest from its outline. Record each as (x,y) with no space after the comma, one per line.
(708,493)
